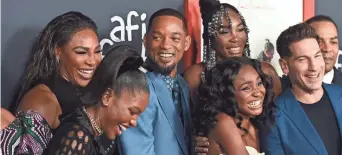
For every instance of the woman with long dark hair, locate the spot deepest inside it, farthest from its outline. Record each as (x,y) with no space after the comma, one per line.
(68,54)
(112,102)
(235,102)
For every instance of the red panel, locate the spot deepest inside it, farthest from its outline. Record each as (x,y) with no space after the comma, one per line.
(308,9)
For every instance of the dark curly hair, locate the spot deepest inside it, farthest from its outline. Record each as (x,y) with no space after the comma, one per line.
(217,95)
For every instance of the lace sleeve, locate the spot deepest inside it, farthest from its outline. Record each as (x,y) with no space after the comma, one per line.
(71,139)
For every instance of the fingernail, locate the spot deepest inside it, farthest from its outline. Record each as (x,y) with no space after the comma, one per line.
(206,150)
(208,143)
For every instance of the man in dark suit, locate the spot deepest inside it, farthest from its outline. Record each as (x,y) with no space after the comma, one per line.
(327,31)
(309,114)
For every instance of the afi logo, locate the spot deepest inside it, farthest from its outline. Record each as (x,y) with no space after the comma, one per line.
(126,28)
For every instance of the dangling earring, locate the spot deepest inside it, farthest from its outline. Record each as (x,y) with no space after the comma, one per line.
(57,59)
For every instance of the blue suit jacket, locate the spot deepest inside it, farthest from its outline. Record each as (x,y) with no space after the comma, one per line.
(293,132)
(160,130)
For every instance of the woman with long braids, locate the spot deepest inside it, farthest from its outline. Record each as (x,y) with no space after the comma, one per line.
(232,106)
(67,56)
(225,34)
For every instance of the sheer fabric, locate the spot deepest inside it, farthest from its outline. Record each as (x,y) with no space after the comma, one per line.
(75,136)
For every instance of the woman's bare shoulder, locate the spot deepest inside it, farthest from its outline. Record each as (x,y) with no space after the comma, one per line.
(42,100)
(39,95)
(194,69)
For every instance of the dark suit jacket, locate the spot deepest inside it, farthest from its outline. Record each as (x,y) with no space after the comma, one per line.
(337,77)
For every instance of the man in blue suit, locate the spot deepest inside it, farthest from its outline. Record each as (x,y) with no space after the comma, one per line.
(164,127)
(309,114)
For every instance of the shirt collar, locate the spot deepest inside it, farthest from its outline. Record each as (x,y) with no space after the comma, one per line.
(328,77)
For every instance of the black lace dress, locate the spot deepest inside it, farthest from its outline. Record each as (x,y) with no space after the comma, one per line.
(75,135)
(68,98)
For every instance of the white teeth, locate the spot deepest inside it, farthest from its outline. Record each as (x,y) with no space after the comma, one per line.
(235,48)
(312,76)
(87,71)
(122,128)
(166,55)
(254,104)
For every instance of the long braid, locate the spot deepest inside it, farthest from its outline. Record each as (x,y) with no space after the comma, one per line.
(56,33)
(212,12)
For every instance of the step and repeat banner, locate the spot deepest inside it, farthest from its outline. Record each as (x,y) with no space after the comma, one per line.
(125,22)
(119,22)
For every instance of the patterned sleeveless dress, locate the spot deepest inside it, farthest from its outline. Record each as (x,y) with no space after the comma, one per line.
(29,133)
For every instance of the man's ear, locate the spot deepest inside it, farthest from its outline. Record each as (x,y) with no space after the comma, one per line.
(284,66)
(107,97)
(187,42)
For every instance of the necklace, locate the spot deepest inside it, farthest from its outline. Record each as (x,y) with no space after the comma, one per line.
(93,123)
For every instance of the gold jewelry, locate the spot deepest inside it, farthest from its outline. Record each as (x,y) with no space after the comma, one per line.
(93,123)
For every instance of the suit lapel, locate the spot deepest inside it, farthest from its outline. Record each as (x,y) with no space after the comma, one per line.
(169,109)
(298,116)
(185,100)
(186,109)
(337,77)
(335,99)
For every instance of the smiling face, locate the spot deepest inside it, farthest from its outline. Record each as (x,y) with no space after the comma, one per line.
(249,91)
(328,42)
(230,41)
(305,67)
(123,111)
(79,57)
(166,42)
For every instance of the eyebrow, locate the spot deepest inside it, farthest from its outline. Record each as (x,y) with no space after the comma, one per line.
(227,26)
(301,56)
(81,47)
(333,38)
(156,32)
(85,48)
(239,24)
(250,82)
(176,33)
